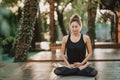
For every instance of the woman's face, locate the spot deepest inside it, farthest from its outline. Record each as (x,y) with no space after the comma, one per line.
(75,27)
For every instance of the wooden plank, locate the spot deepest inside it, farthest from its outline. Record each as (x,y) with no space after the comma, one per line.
(107,46)
(98,60)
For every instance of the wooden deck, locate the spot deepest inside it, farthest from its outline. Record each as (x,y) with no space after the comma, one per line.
(40,66)
(33,71)
(44,71)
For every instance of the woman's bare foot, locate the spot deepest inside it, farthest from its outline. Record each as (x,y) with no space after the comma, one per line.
(54,65)
(84,66)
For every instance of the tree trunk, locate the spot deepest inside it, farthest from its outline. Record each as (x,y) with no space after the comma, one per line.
(113,27)
(60,17)
(116,26)
(61,23)
(25,31)
(38,37)
(92,8)
(52,21)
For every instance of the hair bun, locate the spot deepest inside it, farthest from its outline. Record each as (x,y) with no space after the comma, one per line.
(76,18)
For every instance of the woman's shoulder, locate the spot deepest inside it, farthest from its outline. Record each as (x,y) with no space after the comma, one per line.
(65,38)
(85,38)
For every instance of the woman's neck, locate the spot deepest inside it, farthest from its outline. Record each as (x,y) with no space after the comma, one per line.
(77,34)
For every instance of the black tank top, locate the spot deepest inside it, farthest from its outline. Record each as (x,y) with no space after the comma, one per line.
(76,52)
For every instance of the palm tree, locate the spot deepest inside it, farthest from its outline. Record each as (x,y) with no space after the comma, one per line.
(25,31)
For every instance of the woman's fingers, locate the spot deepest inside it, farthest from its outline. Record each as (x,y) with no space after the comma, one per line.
(77,64)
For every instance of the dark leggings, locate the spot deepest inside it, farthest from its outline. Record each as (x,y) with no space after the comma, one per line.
(65,71)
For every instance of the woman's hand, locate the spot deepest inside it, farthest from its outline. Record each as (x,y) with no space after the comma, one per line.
(71,66)
(77,64)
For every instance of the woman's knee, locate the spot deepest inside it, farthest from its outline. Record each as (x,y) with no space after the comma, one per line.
(94,73)
(57,71)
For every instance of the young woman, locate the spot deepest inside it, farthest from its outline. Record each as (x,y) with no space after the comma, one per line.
(75,46)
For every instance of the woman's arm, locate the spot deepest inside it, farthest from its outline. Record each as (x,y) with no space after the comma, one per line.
(89,48)
(63,48)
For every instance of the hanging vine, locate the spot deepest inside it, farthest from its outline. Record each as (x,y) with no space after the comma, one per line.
(25,31)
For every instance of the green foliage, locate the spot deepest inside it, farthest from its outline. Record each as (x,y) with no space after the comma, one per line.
(8,22)
(93,4)
(10,2)
(1,41)
(44,23)
(61,1)
(117,6)
(8,40)
(7,44)
(1,49)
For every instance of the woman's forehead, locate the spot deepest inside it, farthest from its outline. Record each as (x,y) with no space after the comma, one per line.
(74,23)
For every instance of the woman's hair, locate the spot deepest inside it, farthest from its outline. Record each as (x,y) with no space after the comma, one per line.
(76,18)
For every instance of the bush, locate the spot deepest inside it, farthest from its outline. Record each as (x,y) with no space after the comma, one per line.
(7,44)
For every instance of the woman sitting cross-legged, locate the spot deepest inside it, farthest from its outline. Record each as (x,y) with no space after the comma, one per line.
(73,50)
